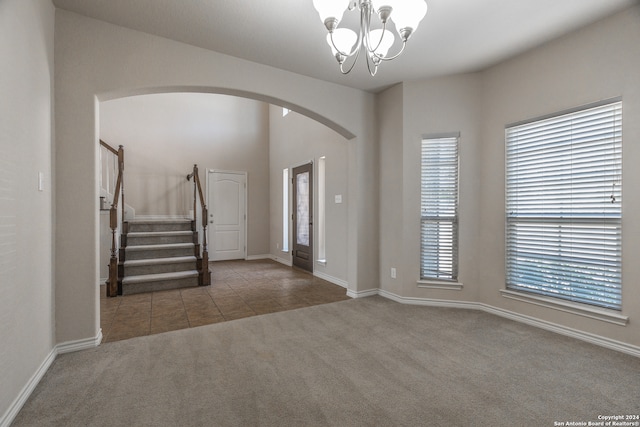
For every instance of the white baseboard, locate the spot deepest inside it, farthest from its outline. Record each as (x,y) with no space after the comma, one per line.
(257,257)
(563,330)
(85,344)
(331,279)
(532,321)
(25,393)
(362,294)
(284,261)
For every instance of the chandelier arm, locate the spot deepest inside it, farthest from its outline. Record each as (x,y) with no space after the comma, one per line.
(389,58)
(375,66)
(352,64)
(368,38)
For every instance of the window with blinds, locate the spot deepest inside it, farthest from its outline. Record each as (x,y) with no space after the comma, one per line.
(439,208)
(563,182)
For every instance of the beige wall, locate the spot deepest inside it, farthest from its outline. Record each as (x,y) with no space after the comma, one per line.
(26,214)
(390,128)
(164,135)
(96,60)
(597,62)
(437,106)
(296,140)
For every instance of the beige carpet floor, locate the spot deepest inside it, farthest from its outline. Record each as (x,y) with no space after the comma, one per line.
(362,362)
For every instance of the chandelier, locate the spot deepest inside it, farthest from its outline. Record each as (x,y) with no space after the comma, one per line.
(345,43)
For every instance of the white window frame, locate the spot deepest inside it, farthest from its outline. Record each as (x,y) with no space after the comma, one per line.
(439,264)
(321,238)
(285,210)
(563,196)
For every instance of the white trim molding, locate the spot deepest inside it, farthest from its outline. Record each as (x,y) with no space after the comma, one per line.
(331,279)
(85,344)
(281,260)
(428,301)
(532,321)
(362,294)
(26,391)
(568,307)
(67,347)
(257,257)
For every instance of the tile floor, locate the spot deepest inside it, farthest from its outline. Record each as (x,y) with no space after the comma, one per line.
(238,289)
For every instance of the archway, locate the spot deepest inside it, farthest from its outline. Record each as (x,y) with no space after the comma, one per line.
(98,61)
(148,118)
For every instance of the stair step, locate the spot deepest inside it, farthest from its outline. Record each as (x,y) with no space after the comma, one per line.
(159,265)
(159,225)
(140,238)
(160,233)
(170,250)
(152,261)
(159,282)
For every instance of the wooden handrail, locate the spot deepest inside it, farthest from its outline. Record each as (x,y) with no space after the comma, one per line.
(203,261)
(108,147)
(112,284)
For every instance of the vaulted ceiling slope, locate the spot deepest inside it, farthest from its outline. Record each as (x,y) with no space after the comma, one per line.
(456,36)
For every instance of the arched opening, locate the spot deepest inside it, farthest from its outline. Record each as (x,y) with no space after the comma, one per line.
(165,131)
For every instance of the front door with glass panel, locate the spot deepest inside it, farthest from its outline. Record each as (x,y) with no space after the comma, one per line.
(303,217)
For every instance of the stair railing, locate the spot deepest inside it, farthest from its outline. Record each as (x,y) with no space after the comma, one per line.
(114,281)
(204,276)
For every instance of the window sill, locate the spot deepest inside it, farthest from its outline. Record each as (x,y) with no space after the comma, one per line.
(568,307)
(440,284)
(322,262)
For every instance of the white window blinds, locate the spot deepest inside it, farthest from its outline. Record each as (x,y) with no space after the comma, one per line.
(439,209)
(564,206)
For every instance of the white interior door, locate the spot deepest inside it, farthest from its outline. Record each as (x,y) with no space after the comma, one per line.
(227,215)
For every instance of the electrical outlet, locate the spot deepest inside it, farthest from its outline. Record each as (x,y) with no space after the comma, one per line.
(393,272)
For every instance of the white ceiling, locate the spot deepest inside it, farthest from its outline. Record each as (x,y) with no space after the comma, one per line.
(456,36)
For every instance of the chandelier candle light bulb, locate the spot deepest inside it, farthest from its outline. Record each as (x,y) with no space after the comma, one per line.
(405,14)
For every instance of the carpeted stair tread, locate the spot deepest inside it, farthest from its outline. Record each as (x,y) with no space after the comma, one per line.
(146,226)
(159,254)
(160,276)
(159,233)
(153,261)
(159,221)
(159,247)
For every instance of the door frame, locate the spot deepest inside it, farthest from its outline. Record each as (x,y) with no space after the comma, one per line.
(246,210)
(312,206)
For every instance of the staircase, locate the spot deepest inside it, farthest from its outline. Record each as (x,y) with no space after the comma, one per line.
(158,255)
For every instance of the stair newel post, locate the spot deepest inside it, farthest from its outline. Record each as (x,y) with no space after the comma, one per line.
(194,221)
(121,174)
(195,194)
(115,274)
(206,276)
(112,288)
